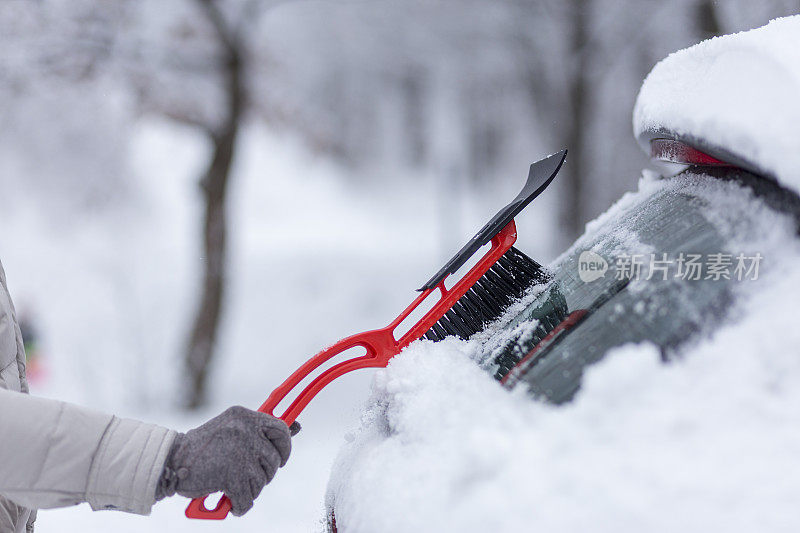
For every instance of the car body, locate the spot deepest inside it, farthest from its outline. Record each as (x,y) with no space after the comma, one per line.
(694,269)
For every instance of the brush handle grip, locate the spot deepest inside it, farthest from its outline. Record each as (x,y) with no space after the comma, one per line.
(197,509)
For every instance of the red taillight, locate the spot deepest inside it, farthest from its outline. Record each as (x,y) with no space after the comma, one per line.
(673,151)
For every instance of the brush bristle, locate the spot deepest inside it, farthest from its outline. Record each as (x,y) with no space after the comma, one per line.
(506,281)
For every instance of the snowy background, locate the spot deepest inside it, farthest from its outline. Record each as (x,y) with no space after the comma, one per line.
(377,137)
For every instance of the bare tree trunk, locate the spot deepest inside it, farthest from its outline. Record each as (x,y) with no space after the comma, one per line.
(707,21)
(574,209)
(214,183)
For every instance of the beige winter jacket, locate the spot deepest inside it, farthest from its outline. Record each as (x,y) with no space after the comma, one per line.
(54,454)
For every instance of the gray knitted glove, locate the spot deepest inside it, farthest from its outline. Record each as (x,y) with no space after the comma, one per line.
(237,453)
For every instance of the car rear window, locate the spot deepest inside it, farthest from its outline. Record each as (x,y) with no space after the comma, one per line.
(662,269)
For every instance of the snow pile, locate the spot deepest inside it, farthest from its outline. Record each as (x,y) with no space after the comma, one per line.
(737,92)
(708,442)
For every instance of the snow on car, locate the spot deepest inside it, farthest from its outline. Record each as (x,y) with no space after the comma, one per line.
(735,93)
(663,357)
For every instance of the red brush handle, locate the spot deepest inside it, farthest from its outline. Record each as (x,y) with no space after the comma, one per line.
(380,345)
(197,509)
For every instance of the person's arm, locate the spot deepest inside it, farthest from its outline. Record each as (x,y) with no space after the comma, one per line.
(55,454)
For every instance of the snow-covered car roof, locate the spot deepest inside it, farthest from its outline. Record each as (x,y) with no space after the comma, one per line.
(736,94)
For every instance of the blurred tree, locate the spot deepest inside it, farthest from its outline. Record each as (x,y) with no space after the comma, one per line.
(707,21)
(58,129)
(214,184)
(208,43)
(77,72)
(574,212)
(521,78)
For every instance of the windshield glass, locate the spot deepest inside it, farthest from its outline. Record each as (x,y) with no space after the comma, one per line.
(659,270)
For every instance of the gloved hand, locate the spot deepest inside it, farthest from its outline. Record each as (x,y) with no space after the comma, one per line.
(238,452)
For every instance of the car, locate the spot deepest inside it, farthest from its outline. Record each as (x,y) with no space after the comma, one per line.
(661,356)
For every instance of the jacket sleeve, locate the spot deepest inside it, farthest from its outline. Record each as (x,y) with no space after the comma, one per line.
(55,454)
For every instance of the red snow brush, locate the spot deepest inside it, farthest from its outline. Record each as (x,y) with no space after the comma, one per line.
(479,297)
